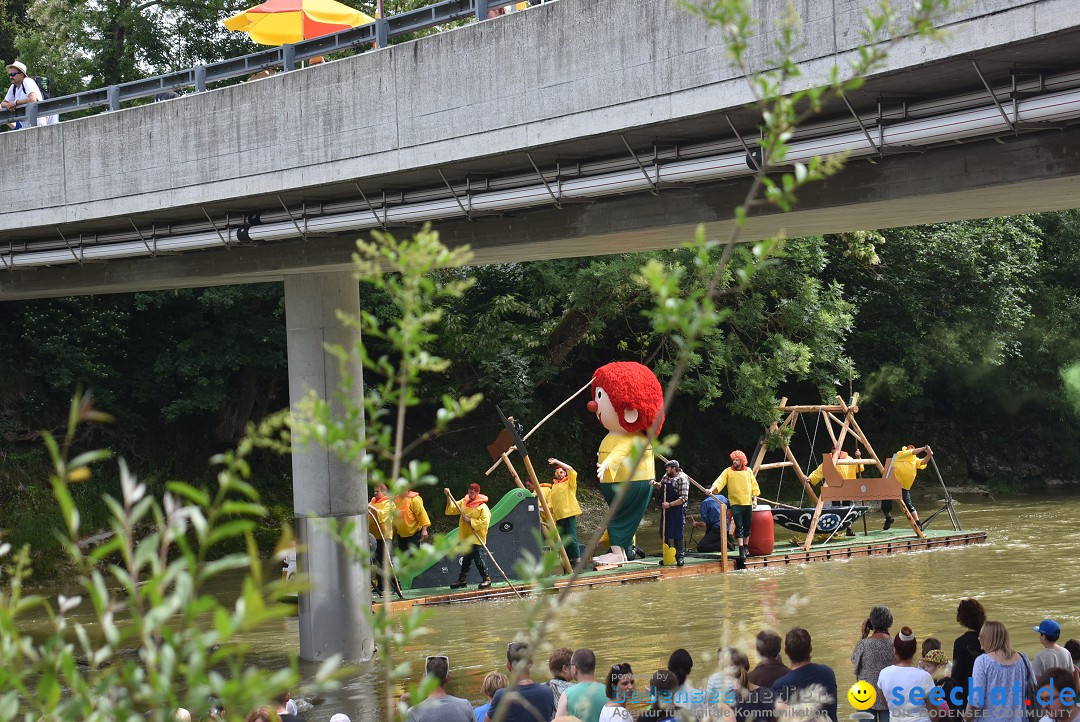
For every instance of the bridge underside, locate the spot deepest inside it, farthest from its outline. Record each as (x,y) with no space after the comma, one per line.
(1008,175)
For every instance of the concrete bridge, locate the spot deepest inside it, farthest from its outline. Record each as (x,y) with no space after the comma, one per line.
(459,123)
(579,127)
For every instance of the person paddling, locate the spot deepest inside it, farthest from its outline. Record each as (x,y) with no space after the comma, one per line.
(473,526)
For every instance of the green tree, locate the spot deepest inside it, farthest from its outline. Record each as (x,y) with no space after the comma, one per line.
(943,302)
(149,636)
(81,45)
(522,326)
(12,18)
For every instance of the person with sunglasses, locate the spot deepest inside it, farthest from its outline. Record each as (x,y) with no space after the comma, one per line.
(586,698)
(440,706)
(23,90)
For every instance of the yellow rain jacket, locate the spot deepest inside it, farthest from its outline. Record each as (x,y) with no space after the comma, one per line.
(906,466)
(379,511)
(847,471)
(474,525)
(545,491)
(411,516)
(562,498)
(742,486)
(615,450)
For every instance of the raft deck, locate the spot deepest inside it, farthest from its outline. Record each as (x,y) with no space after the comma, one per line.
(875,543)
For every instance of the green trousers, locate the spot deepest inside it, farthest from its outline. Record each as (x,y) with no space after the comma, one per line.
(625,524)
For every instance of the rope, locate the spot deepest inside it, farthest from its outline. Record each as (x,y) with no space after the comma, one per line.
(813,443)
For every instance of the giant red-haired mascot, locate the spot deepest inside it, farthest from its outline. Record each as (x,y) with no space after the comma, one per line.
(627,400)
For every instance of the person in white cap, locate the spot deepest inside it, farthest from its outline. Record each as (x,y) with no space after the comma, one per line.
(23,90)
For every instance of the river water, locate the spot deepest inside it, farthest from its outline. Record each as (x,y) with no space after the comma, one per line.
(1026,572)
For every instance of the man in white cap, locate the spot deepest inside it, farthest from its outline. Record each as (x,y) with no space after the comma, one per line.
(23,90)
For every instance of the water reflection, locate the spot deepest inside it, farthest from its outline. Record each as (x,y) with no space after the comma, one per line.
(1020,576)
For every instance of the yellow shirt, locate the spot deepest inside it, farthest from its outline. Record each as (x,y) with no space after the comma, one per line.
(545,491)
(615,450)
(562,498)
(847,471)
(411,516)
(479,516)
(906,466)
(850,471)
(742,486)
(379,512)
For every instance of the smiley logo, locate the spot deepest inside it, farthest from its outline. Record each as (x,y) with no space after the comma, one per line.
(862,695)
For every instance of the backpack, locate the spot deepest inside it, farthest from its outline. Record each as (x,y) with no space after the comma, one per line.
(43,85)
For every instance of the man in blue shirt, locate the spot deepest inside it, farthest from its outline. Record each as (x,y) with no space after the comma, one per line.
(714,526)
(535,701)
(807,681)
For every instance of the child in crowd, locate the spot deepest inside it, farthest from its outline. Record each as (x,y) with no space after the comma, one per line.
(936,663)
(493,682)
(929,644)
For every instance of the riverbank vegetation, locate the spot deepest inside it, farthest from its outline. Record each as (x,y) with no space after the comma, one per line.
(962,335)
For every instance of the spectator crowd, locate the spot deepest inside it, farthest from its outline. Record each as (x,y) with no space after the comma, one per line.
(985,677)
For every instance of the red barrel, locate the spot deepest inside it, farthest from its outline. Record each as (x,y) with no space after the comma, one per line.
(762,532)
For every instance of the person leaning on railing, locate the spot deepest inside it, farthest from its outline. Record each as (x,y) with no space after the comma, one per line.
(23,90)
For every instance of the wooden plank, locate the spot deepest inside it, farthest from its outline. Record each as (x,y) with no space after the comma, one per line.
(718,565)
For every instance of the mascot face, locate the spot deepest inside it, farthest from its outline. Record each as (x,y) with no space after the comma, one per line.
(607,415)
(626,397)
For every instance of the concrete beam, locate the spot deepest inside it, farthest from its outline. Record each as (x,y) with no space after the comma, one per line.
(459,97)
(332,613)
(1030,173)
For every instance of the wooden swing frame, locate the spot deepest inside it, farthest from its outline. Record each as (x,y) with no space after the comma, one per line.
(839,421)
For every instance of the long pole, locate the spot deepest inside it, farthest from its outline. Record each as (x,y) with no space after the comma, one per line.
(663,523)
(691,479)
(948,497)
(723,537)
(553,529)
(542,421)
(482,542)
(780,504)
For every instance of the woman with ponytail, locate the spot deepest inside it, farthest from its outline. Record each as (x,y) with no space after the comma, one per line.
(898,680)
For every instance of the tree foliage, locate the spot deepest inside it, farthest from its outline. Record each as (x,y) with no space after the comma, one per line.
(83,45)
(144,634)
(948,301)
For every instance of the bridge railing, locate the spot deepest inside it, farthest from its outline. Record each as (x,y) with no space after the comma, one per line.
(285,57)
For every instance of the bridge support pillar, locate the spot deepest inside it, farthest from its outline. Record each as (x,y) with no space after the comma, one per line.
(332,613)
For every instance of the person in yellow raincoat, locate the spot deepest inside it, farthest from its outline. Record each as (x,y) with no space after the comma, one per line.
(411,523)
(847,471)
(379,513)
(743,492)
(906,465)
(562,500)
(473,526)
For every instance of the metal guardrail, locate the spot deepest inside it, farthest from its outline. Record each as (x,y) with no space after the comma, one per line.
(284,57)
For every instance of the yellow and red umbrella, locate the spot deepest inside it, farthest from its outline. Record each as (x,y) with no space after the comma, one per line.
(276,22)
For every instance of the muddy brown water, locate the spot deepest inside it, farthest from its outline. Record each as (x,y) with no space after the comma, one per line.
(1026,572)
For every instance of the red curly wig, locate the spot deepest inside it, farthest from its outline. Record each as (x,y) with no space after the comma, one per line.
(631,385)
